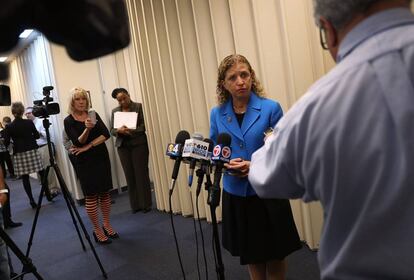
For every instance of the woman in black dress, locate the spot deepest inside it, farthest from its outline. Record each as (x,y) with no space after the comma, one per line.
(92,162)
(26,158)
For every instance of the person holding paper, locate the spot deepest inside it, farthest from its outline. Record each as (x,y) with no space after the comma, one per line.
(132,145)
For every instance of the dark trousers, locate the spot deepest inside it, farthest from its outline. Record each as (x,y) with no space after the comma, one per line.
(6,159)
(134,160)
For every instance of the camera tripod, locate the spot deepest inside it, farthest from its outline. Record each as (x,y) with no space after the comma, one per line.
(28,266)
(68,199)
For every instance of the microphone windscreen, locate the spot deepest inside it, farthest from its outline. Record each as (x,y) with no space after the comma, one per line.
(181,137)
(198,136)
(211,144)
(224,139)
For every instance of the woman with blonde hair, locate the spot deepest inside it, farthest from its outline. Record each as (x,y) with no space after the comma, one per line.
(92,163)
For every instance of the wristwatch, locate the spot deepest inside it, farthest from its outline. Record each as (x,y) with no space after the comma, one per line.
(3,191)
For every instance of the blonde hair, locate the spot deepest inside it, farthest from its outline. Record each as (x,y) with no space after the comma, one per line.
(76,92)
(222,94)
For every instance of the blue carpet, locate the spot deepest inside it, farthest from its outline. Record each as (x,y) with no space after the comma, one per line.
(145,250)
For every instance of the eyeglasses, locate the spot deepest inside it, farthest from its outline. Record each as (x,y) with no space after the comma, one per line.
(322,38)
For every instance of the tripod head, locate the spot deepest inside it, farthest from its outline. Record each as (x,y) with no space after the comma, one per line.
(45,107)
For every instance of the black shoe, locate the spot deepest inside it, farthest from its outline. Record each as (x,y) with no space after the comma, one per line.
(51,196)
(106,241)
(112,236)
(33,204)
(12,224)
(134,211)
(146,210)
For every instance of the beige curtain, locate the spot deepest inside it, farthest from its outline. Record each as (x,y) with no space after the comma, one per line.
(178,45)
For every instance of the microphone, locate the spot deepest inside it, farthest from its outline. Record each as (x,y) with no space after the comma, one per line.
(205,167)
(221,155)
(174,151)
(92,115)
(195,149)
(206,163)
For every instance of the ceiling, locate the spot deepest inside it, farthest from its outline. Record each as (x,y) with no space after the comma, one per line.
(21,45)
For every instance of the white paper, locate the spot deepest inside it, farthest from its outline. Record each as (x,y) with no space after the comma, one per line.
(129,119)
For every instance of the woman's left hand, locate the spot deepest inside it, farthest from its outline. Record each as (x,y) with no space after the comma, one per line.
(240,165)
(78,150)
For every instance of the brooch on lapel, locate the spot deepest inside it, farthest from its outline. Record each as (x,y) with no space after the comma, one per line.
(229,119)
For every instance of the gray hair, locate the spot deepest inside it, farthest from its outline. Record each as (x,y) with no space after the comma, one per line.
(17,109)
(340,12)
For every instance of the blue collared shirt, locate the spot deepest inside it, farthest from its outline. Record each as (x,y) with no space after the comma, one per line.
(349,142)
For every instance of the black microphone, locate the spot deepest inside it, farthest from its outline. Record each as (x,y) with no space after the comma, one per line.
(179,141)
(221,155)
(206,163)
(205,166)
(193,161)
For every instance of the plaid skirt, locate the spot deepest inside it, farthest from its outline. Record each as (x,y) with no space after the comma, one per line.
(27,162)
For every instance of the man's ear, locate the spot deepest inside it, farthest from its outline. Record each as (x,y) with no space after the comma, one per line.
(332,37)
(331,33)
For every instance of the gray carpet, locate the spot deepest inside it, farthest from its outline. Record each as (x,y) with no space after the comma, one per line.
(145,250)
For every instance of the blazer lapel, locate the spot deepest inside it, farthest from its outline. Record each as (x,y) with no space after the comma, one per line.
(228,119)
(252,113)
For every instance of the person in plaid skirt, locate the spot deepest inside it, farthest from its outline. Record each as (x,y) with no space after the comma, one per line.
(26,158)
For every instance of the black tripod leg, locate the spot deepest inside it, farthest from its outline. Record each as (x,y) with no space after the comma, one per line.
(28,266)
(67,198)
(39,205)
(71,204)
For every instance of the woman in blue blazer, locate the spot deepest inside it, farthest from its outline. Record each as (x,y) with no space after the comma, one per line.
(261,232)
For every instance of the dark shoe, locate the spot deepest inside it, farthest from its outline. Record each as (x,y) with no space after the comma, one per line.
(112,236)
(134,211)
(146,210)
(105,241)
(12,224)
(51,196)
(33,204)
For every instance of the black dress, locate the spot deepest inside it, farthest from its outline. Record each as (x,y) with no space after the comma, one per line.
(93,166)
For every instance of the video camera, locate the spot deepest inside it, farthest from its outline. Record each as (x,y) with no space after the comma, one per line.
(45,107)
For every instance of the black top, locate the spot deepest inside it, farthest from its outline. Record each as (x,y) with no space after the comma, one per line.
(239,118)
(74,129)
(23,133)
(93,167)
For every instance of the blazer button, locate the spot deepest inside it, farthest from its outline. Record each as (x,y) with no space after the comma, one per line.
(241,145)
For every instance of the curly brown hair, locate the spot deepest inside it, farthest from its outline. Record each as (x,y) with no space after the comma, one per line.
(222,94)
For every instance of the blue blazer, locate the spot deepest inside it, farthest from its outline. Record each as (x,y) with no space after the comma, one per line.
(261,114)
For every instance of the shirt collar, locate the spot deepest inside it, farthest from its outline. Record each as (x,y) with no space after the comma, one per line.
(372,25)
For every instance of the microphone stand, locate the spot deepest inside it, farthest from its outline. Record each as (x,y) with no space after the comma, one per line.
(213,200)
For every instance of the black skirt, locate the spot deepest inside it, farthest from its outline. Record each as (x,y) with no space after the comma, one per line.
(258,230)
(93,169)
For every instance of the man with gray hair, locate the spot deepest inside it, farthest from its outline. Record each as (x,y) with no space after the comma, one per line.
(349,142)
